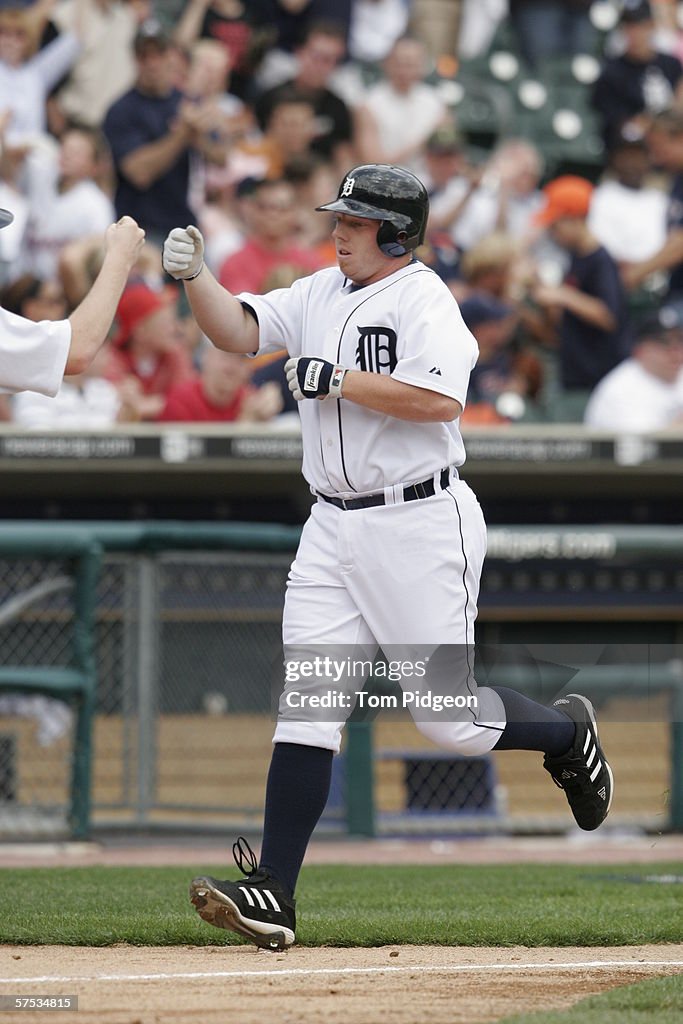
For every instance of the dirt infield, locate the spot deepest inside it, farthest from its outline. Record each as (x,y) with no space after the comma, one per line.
(576,847)
(401,984)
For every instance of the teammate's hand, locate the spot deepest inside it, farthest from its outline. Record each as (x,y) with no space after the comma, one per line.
(314,378)
(183,255)
(124,239)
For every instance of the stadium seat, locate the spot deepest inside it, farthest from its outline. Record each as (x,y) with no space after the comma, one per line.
(558,119)
(482,108)
(568,406)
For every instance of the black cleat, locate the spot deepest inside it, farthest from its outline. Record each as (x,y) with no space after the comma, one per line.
(583,772)
(256,908)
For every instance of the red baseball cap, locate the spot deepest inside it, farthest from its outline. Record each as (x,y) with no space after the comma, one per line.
(566,196)
(137,303)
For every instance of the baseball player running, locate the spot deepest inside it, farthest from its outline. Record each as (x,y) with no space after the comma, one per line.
(35,356)
(392,552)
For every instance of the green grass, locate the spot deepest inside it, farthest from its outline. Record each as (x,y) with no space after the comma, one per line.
(649,1002)
(528,905)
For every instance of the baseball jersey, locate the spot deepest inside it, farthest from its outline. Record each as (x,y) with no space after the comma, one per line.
(32,355)
(407,325)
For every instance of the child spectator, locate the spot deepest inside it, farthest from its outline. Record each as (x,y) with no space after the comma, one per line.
(148,347)
(590,304)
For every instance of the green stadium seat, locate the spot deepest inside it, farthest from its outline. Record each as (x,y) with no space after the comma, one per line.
(483,109)
(568,406)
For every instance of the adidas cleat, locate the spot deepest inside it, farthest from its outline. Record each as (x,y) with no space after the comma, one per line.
(256,908)
(583,772)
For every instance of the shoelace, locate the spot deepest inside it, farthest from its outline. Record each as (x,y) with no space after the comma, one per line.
(243,854)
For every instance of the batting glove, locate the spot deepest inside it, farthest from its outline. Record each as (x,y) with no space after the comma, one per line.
(183,255)
(314,378)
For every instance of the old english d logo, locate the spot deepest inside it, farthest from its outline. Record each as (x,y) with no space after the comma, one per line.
(376,352)
(348,187)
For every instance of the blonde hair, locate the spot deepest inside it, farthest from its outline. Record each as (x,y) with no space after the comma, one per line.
(496,251)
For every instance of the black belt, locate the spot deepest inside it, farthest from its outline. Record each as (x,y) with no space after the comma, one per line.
(414,492)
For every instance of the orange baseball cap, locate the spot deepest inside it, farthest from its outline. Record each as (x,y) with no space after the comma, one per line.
(566,196)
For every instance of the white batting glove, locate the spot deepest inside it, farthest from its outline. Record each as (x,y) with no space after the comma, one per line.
(314,378)
(183,255)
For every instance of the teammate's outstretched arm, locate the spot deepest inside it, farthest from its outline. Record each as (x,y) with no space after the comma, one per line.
(219,314)
(317,378)
(91,320)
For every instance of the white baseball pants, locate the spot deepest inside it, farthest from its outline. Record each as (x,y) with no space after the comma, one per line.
(403,576)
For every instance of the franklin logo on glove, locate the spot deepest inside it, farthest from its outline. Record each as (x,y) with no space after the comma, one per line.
(314,378)
(313,372)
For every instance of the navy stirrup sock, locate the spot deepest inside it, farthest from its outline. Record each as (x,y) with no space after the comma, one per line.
(533,726)
(296,793)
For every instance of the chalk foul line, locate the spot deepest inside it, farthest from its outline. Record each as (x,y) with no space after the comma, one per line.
(310,971)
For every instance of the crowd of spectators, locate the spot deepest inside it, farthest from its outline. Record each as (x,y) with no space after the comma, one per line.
(241,117)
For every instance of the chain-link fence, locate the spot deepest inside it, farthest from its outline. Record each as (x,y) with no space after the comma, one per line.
(187,652)
(36,731)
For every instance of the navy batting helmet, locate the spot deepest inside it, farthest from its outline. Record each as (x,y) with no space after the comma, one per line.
(5,218)
(391,195)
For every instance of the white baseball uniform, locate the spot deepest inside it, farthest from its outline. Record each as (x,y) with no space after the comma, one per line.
(404,573)
(32,355)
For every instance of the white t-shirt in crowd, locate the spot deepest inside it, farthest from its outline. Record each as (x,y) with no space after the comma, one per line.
(480,216)
(60,218)
(92,405)
(630,399)
(405,119)
(630,223)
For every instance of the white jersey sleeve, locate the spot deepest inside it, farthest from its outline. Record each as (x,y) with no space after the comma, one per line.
(281,315)
(436,350)
(32,355)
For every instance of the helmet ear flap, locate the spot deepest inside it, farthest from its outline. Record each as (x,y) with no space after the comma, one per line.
(391,241)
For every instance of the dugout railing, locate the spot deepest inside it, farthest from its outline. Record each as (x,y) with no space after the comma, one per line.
(163,613)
